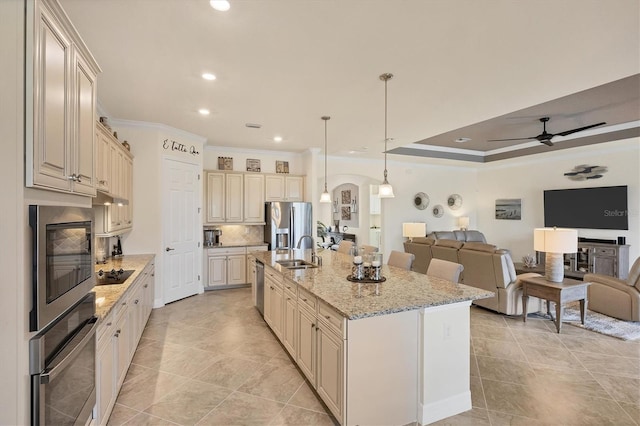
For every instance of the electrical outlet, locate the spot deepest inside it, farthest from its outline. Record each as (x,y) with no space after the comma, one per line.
(446,331)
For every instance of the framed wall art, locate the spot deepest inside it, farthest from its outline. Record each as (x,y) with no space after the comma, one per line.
(509,209)
(253,165)
(282,166)
(225,163)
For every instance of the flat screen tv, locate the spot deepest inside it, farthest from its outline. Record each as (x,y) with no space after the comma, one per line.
(593,208)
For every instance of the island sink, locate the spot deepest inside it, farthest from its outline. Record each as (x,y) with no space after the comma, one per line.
(296,264)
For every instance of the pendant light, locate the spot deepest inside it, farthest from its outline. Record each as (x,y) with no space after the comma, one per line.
(385,190)
(325,197)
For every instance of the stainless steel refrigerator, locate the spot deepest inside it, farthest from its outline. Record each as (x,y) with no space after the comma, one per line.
(286,223)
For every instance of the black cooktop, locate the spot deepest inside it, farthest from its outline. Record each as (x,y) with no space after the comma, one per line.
(113,276)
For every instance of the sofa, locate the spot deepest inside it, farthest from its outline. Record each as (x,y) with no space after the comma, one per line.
(458,235)
(485,266)
(615,297)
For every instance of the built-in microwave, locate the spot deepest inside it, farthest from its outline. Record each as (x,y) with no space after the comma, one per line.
(62,261)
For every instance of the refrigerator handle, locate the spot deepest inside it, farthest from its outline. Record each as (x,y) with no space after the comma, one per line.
(292,217)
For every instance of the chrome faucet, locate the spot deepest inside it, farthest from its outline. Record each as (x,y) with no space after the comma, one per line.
(302,238)
(314,257)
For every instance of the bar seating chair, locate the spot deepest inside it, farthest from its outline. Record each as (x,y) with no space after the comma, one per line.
(401,260)
(345,247)
(445,269)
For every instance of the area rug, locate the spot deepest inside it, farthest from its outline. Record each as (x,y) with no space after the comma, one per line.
(625,330)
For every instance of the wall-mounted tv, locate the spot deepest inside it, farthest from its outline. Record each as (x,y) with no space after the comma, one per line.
(593,208)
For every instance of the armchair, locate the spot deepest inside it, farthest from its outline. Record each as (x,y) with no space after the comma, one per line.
(615,297)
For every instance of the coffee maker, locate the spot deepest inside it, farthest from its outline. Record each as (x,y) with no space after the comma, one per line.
(212,237)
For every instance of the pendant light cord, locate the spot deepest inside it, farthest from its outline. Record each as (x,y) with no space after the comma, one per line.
(325,118)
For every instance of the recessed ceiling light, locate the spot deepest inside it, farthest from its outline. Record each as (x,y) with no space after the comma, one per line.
(208,76)
(277,138)
(203,111)
(220,5)
(462,140)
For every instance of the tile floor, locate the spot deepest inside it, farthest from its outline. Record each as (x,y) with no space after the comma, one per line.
(211,360)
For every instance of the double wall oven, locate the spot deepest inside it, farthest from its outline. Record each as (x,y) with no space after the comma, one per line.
(62,353)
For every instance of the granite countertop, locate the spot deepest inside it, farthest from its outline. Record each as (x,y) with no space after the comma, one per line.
(402,291)
(228,245)
(108,295)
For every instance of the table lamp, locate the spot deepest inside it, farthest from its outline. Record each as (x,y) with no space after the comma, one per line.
(414,229)
(463,222)
(555,242)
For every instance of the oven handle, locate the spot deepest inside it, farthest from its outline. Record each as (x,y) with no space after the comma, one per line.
(49,374)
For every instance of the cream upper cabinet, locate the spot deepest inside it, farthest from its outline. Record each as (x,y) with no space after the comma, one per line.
(103,163)
(234,198)
(214,197)
(254,198)
(294,188)
(284,188)
(60,103)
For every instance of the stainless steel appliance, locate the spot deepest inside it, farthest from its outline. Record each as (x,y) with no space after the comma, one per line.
(62,261)
(286,223)
(260,287)
(62,365)
(212,237)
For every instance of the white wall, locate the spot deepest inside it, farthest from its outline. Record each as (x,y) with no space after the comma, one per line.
(526,178)
(437,181)
(150,143)
(267,159)
(14,392)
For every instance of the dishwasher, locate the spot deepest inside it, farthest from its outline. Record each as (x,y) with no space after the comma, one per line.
(260,287)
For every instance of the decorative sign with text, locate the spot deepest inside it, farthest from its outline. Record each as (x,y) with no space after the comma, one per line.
(171,145)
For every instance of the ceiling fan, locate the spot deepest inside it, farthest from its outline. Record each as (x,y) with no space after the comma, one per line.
(545,137)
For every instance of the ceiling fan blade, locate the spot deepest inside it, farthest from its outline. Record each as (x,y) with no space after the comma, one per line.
(547,142)
(513,139)
(568,132)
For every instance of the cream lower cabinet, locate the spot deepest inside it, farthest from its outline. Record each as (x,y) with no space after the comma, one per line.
(289,317)
(105,370)
(226,266)
(118,335)
(273,298)
(313,333)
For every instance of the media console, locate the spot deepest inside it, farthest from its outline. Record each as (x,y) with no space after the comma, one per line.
(596,258)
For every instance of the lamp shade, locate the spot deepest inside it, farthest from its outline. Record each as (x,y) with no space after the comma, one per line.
(414,229)
(325,197)
(385,190)
(555,240)
(463,222)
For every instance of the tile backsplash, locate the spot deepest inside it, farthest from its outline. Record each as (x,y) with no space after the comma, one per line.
(232,234)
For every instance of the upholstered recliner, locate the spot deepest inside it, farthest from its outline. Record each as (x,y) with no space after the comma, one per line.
(485,267)
(615,297)
(460,235)
(492,269)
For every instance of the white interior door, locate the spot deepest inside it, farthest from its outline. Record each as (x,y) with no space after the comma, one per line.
(180,230)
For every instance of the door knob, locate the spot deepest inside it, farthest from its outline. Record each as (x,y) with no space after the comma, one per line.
(169,249)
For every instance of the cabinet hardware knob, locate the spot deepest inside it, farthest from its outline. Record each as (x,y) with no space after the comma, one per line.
(146,285)
(169,249)
(108,324)
(137,301)
(327,317)
(304,300)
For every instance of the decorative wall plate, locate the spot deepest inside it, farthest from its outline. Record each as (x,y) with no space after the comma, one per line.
(454,201)
(420,201)
(438,210)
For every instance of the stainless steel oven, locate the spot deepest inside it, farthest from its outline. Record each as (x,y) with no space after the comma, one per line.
(62,260)
(62,365)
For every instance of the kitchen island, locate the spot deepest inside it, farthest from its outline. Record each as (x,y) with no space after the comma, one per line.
(397,357)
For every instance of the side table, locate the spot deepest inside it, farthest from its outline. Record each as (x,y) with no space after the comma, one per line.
(569,290)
